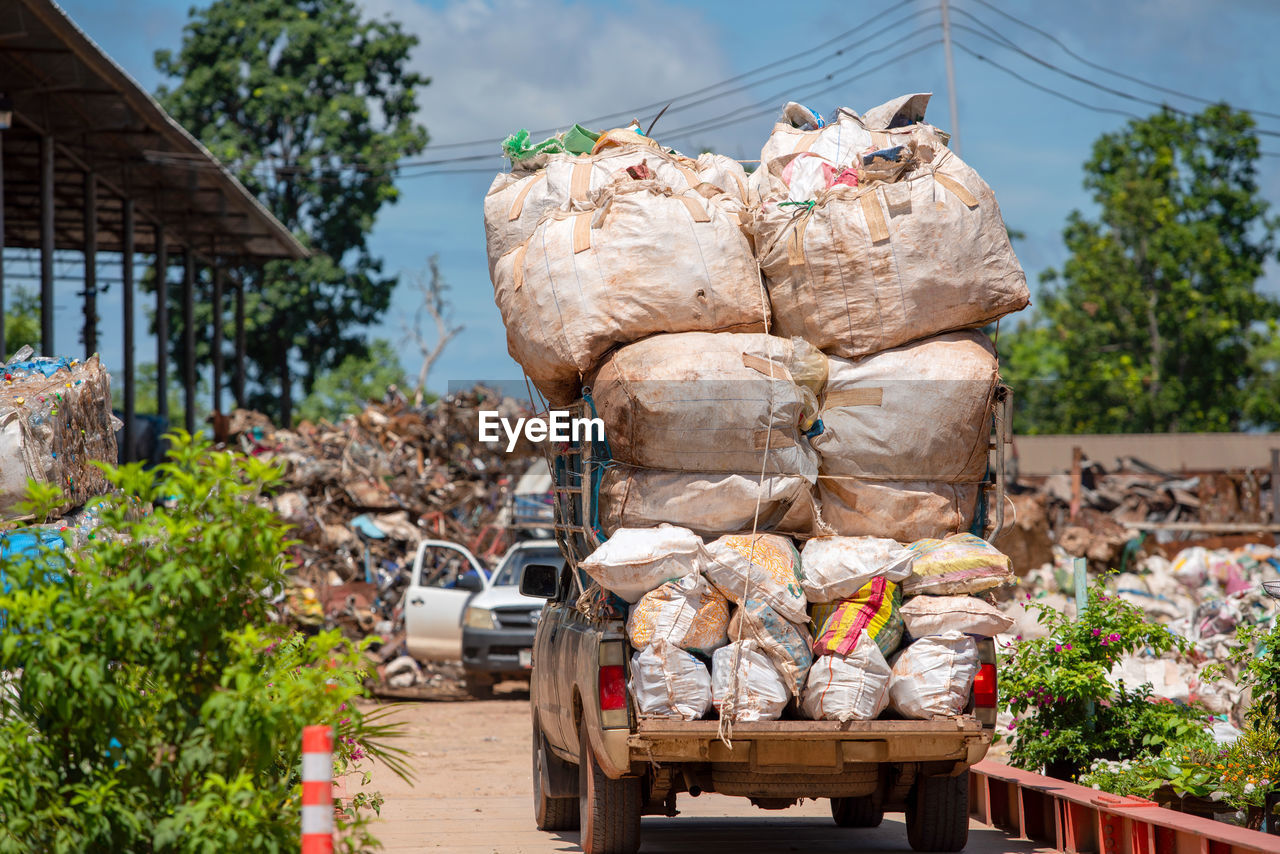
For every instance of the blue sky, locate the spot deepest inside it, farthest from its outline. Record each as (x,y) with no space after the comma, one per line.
(498,65)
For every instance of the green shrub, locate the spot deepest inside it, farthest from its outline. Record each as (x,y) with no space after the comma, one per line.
(1070,713)
(153,704)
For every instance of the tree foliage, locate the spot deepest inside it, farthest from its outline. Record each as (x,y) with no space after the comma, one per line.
(21,321)
(311,105)
(150,704)
(346,389)
(1155,323)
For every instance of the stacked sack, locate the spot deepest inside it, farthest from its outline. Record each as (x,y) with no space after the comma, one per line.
(881,247)
(629,269)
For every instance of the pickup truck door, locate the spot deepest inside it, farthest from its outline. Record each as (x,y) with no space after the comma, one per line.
(433,604)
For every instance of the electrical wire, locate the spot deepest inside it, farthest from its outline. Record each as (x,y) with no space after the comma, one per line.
(1100,67)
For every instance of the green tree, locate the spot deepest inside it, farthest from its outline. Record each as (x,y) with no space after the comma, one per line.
(1155,321)
(346,389)
(148,703)
(21,321)
(312,106)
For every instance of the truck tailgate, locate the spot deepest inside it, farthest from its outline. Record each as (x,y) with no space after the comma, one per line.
(811,744)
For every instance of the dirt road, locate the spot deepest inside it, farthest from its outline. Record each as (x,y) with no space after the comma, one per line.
(473,796)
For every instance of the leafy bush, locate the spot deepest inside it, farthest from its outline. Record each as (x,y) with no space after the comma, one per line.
(152,704)
(1069,711)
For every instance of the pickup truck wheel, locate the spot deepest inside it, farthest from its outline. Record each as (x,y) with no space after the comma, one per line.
(856,812)
(549,813)
(938,813)
(609,810)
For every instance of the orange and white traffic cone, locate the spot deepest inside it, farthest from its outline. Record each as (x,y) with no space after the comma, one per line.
(317,790)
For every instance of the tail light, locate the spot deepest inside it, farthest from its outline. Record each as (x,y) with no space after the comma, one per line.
(985,695)
(613,687)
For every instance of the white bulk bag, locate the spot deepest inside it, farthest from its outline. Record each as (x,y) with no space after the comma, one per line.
(636,560)
(644,261)
(710,504)
(761,694)
(936,615)
(903,510)
(518,200)
(836,567)
(921,412)
(710,402)
(668,682)
(848,688)
(933,676)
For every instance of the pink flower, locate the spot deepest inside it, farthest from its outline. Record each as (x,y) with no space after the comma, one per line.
(1068,646)
(1097,632)
(1057,647)
(1045,733)
(1113,637)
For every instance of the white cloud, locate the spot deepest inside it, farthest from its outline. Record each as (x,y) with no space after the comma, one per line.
(500,65)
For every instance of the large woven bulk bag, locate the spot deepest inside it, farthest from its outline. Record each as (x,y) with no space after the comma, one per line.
(644,261)
(873,609)
(903,510)
(836,567)
(704,402)
(932,678)
(764,567)
(517,201)
(864,268)
(745,683)
(710,504)
(919,412)
(668,682)
(848,688)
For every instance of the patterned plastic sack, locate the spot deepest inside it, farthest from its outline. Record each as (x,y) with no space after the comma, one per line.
(936,615)
(836,567)
(687,612)
(848,688)
(933,676)
(788,645)
(760,693)
(769,565)
(960,563)
(873,609)
(668,682)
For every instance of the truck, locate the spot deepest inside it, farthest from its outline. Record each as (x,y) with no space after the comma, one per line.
(598,766)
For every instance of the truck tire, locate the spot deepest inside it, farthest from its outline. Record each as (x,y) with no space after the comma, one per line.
(856,812)
(608,810)
(549,813)
(938,813)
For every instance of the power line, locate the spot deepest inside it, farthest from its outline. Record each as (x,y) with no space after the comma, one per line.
(1100,67)
(1005,42)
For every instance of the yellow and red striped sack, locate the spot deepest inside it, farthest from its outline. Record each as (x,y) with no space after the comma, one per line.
(873,609)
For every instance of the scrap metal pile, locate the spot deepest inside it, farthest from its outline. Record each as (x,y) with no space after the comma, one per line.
(362,493)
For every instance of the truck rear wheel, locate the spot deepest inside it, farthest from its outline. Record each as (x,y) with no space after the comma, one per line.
(938,813)
(608,810)
(856,812)
(549,813)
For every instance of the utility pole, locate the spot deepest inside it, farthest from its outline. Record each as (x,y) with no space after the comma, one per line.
(951,77)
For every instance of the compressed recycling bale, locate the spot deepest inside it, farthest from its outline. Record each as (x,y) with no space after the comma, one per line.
(933,676)
(687,612)
(836,567)
(903,510)
(704,402)
(636,560)
(517,201)
(936,615)
(643,261)
(711,504)
(668,682)
(906,252)
(873,610)
(853,687)
(788,645)
(960,563)
(760,695)
(55,422)
(764,567)
(921,412)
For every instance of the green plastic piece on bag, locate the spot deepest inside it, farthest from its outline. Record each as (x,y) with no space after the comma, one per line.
(579,140)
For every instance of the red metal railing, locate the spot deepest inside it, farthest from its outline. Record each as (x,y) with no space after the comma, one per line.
(1074,818)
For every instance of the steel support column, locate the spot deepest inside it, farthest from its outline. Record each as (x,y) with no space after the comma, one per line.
(162,325)
(126,276)
(90,333)
(217,335)
(46,245)
(189,339)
